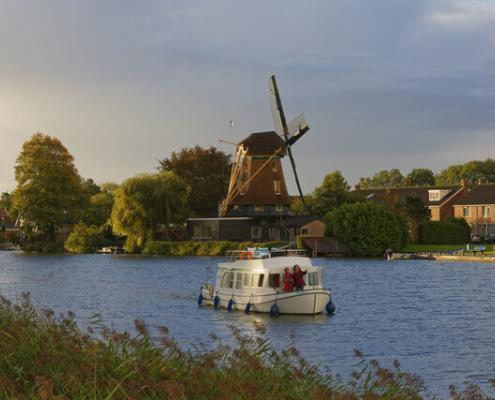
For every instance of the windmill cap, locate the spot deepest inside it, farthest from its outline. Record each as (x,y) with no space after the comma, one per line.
(263,144)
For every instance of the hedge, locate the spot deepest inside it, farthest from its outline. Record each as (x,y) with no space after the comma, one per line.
(453,231)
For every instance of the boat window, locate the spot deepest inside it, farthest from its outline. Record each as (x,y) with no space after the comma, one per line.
(258,280)
(247,280)
(238,280)
(228,280)
(312,278)
(274,280)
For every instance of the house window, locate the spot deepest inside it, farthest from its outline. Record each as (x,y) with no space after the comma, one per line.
(276,187)
(465,212)
(202,232)
(434,195)
(304,231)
(259,208)
(279,207)
(274,167)
(256,232)
(486,211)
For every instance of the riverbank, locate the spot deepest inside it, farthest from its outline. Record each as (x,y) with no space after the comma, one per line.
(47,356)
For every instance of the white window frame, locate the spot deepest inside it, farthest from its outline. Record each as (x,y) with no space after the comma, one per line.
(486,211)
(277,186)
(466,211)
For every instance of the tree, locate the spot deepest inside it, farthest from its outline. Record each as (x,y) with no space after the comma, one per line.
(48,188)
(332,193)
(420,177)
(368,229)
(99,209)
(206,171)
(470,172)
(416,209)
(147,204)
(297,206)
(83,239)
(383,179)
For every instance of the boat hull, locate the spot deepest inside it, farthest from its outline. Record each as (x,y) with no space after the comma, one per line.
(308,301)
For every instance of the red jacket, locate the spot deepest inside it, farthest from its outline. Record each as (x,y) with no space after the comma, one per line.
(298,278)
(288,281)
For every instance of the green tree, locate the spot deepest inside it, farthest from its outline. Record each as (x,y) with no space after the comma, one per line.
(84,239)
(416,209)
(206,171)
(420,177)
(297,206)
(383,179)
(48,188)
(470,172)
(368,229)
(99,209)
(332,193)
(147,204)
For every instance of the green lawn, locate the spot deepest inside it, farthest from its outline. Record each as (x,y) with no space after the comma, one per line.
(438,248)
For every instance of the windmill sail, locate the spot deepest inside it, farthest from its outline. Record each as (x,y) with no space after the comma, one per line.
(296,128)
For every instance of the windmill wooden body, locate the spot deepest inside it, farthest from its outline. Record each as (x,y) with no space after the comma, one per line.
(257,185)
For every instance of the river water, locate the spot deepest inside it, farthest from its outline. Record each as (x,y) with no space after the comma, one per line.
(437,318)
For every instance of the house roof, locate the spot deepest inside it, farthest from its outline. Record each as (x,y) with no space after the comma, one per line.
(402,193)
(263,144)
(481,194)
(5,219)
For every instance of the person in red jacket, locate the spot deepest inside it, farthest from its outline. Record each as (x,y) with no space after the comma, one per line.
(298,278)
(288,280)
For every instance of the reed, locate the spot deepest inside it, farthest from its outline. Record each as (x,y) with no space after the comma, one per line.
(44,356)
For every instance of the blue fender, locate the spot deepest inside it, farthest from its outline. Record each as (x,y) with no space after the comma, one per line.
(330,307)
(216,302)
(274,309)
(248,308)
(200,299)
(230,305)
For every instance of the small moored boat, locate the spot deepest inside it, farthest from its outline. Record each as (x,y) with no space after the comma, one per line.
(252,281)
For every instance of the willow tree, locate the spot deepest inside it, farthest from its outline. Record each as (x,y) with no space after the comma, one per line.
(48,191)
(146,205)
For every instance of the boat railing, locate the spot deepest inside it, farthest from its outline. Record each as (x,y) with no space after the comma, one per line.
(257,253)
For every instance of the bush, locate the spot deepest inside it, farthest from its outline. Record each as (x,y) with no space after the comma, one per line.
(43,246)
(453,231)
(367,229)
(84,239)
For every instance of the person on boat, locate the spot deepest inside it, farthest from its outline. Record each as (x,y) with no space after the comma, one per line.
(288,280)
(298,276)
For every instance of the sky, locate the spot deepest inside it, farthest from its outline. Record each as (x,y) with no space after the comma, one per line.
(123,83)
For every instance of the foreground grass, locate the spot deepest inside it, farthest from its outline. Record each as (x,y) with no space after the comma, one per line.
(44,357)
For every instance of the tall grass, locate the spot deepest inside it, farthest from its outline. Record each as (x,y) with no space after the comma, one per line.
(43,356)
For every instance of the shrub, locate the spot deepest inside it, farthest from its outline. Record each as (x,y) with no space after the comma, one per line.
(367,229)
(453,231)
(83,239)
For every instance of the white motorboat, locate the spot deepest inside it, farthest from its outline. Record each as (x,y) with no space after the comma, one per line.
(252,281)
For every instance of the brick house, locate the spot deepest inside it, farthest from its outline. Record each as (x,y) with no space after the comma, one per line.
(439,199)
(477,207)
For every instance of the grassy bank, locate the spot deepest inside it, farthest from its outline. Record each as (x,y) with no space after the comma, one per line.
(45,357)
(210,248)
(438,248)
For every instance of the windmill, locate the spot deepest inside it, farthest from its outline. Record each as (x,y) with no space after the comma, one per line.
(257,185)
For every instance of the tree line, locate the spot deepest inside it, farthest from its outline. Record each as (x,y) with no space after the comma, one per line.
(50,194)
(470,173)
